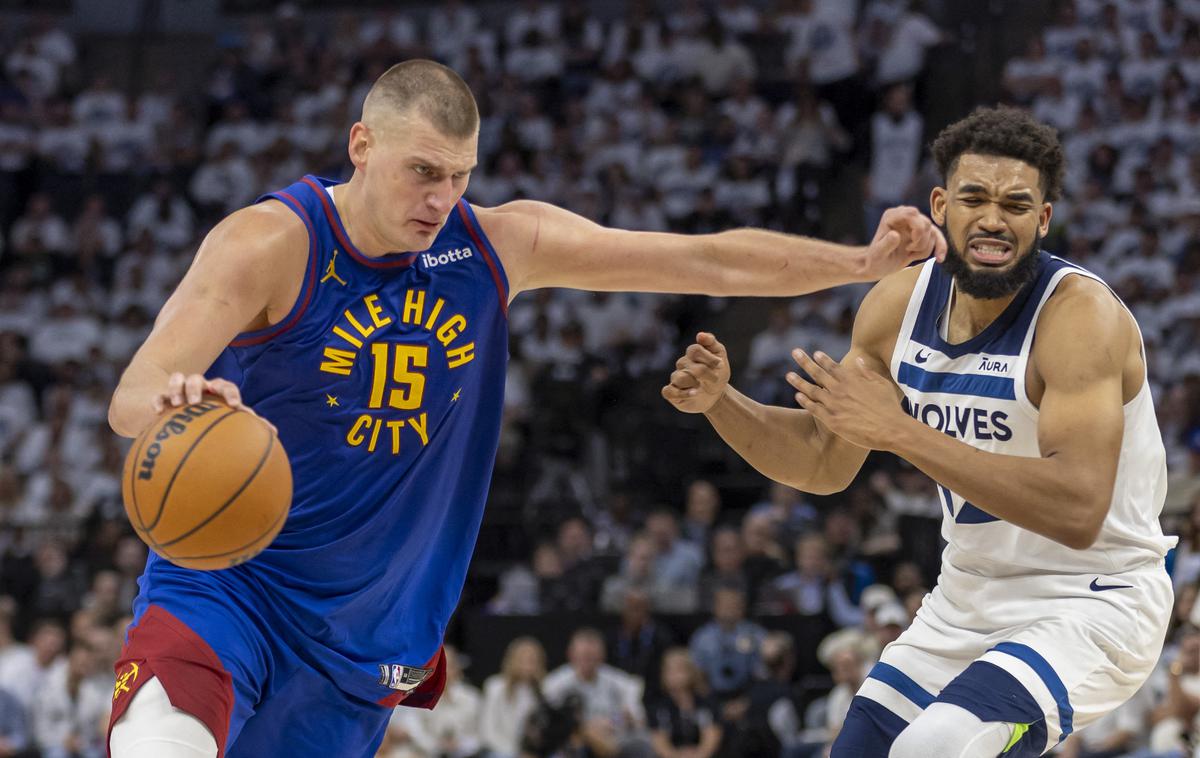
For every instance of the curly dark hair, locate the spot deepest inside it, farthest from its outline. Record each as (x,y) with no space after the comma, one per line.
(1007,132)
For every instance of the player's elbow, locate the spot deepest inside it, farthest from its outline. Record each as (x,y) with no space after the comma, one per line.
(1083,531)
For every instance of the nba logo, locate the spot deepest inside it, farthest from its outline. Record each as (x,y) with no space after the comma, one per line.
(402,678)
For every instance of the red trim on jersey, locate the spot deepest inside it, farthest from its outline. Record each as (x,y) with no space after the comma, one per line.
(162,646)
(477,235)
(335,223)
(270,332)
(428,692)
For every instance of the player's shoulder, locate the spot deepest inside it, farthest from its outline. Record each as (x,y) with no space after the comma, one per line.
(1080,315)
(887,300)
(1084,302)
(263,234)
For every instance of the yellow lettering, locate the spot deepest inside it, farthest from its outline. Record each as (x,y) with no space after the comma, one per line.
(339,331)
(374,435)
(437,308)
(414,306)
(353,436)
(379,352)
(407,359)
(418,423)
(460,355)
(340,361)
(372,303)
(363,330)
(451,329)
(395,427)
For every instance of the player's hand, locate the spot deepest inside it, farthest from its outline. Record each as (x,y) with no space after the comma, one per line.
(700,376)
(850,399)
(190,388)
(904,235)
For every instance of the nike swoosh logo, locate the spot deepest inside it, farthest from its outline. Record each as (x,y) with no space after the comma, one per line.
(920,359)
(1095,586)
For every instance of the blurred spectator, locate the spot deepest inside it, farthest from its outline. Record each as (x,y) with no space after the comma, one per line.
(165,214)
(773,720)
(726,568)
(70,708)
(611,717)
(41,231)
(727,649)
(811,589)
(896,134)
(510,696)
(638,642)
(684,723)
(701,508)
(677,564)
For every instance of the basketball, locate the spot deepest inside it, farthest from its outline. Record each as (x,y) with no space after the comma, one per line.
(207,486)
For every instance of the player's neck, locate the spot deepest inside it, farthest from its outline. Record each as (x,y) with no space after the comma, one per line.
(348,199)
(968,316)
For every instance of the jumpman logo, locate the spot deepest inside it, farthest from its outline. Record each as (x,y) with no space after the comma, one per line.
(331,273)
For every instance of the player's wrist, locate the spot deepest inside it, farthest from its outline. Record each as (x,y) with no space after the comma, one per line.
(721,399)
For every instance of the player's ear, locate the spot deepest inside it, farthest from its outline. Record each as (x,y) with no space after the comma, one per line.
(360,141)
(1044,219)
(937,205)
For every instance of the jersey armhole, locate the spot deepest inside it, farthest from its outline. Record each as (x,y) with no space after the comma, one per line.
(475,230)
(259,336)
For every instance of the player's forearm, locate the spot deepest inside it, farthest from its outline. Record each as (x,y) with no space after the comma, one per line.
(785,445)
(1045,495)
(132,407)
(758,262)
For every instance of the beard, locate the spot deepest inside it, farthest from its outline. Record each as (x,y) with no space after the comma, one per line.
(986,283)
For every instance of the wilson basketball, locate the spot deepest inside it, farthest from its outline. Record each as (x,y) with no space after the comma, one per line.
(207,486)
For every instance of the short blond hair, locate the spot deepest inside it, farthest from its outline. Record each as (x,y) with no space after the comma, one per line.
(429,89)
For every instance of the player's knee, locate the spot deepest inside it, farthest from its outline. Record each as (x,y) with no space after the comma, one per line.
(153,728)
(948,731)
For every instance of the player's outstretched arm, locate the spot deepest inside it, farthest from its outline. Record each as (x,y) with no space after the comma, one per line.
(545,246)
(231,287)
(789,445)
(1084,340)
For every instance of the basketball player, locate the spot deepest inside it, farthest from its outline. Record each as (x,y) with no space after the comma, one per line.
(383,372)
(1017,382)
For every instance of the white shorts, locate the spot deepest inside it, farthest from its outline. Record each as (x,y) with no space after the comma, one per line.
(1079,646)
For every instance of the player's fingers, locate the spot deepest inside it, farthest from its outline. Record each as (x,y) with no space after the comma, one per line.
(698,354)
(814,369)
(174,391)
(939,245)
(684,380)
(711,343)
(826,362)
(683,361)
(158,403)
(802,385)
(674,395)
(706,376)
(227,390)
(193,387)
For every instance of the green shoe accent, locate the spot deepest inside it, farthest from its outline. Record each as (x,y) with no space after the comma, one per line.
(1019,731)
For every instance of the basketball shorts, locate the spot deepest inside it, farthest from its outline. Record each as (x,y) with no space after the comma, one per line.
(1049,654)
(253,690)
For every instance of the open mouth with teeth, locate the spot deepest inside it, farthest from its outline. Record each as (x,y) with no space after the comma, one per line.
(990,252)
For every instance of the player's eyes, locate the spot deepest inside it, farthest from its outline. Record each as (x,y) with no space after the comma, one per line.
(422,170)
(972,201)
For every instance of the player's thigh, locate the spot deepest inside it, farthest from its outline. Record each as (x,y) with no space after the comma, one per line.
(151,727)
(213,670)
(1051,678)
(905,681)
(308,716)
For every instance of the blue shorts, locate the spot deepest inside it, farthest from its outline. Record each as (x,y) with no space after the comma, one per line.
(221,660)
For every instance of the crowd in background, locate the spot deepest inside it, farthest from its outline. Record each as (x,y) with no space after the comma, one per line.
(695,117)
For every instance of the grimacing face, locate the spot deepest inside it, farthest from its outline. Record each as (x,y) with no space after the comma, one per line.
(994,216)
(413,177)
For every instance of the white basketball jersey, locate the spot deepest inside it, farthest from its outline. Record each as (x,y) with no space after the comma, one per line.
(975,391)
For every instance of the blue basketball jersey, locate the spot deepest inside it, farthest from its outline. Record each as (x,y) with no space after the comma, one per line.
(386,383)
